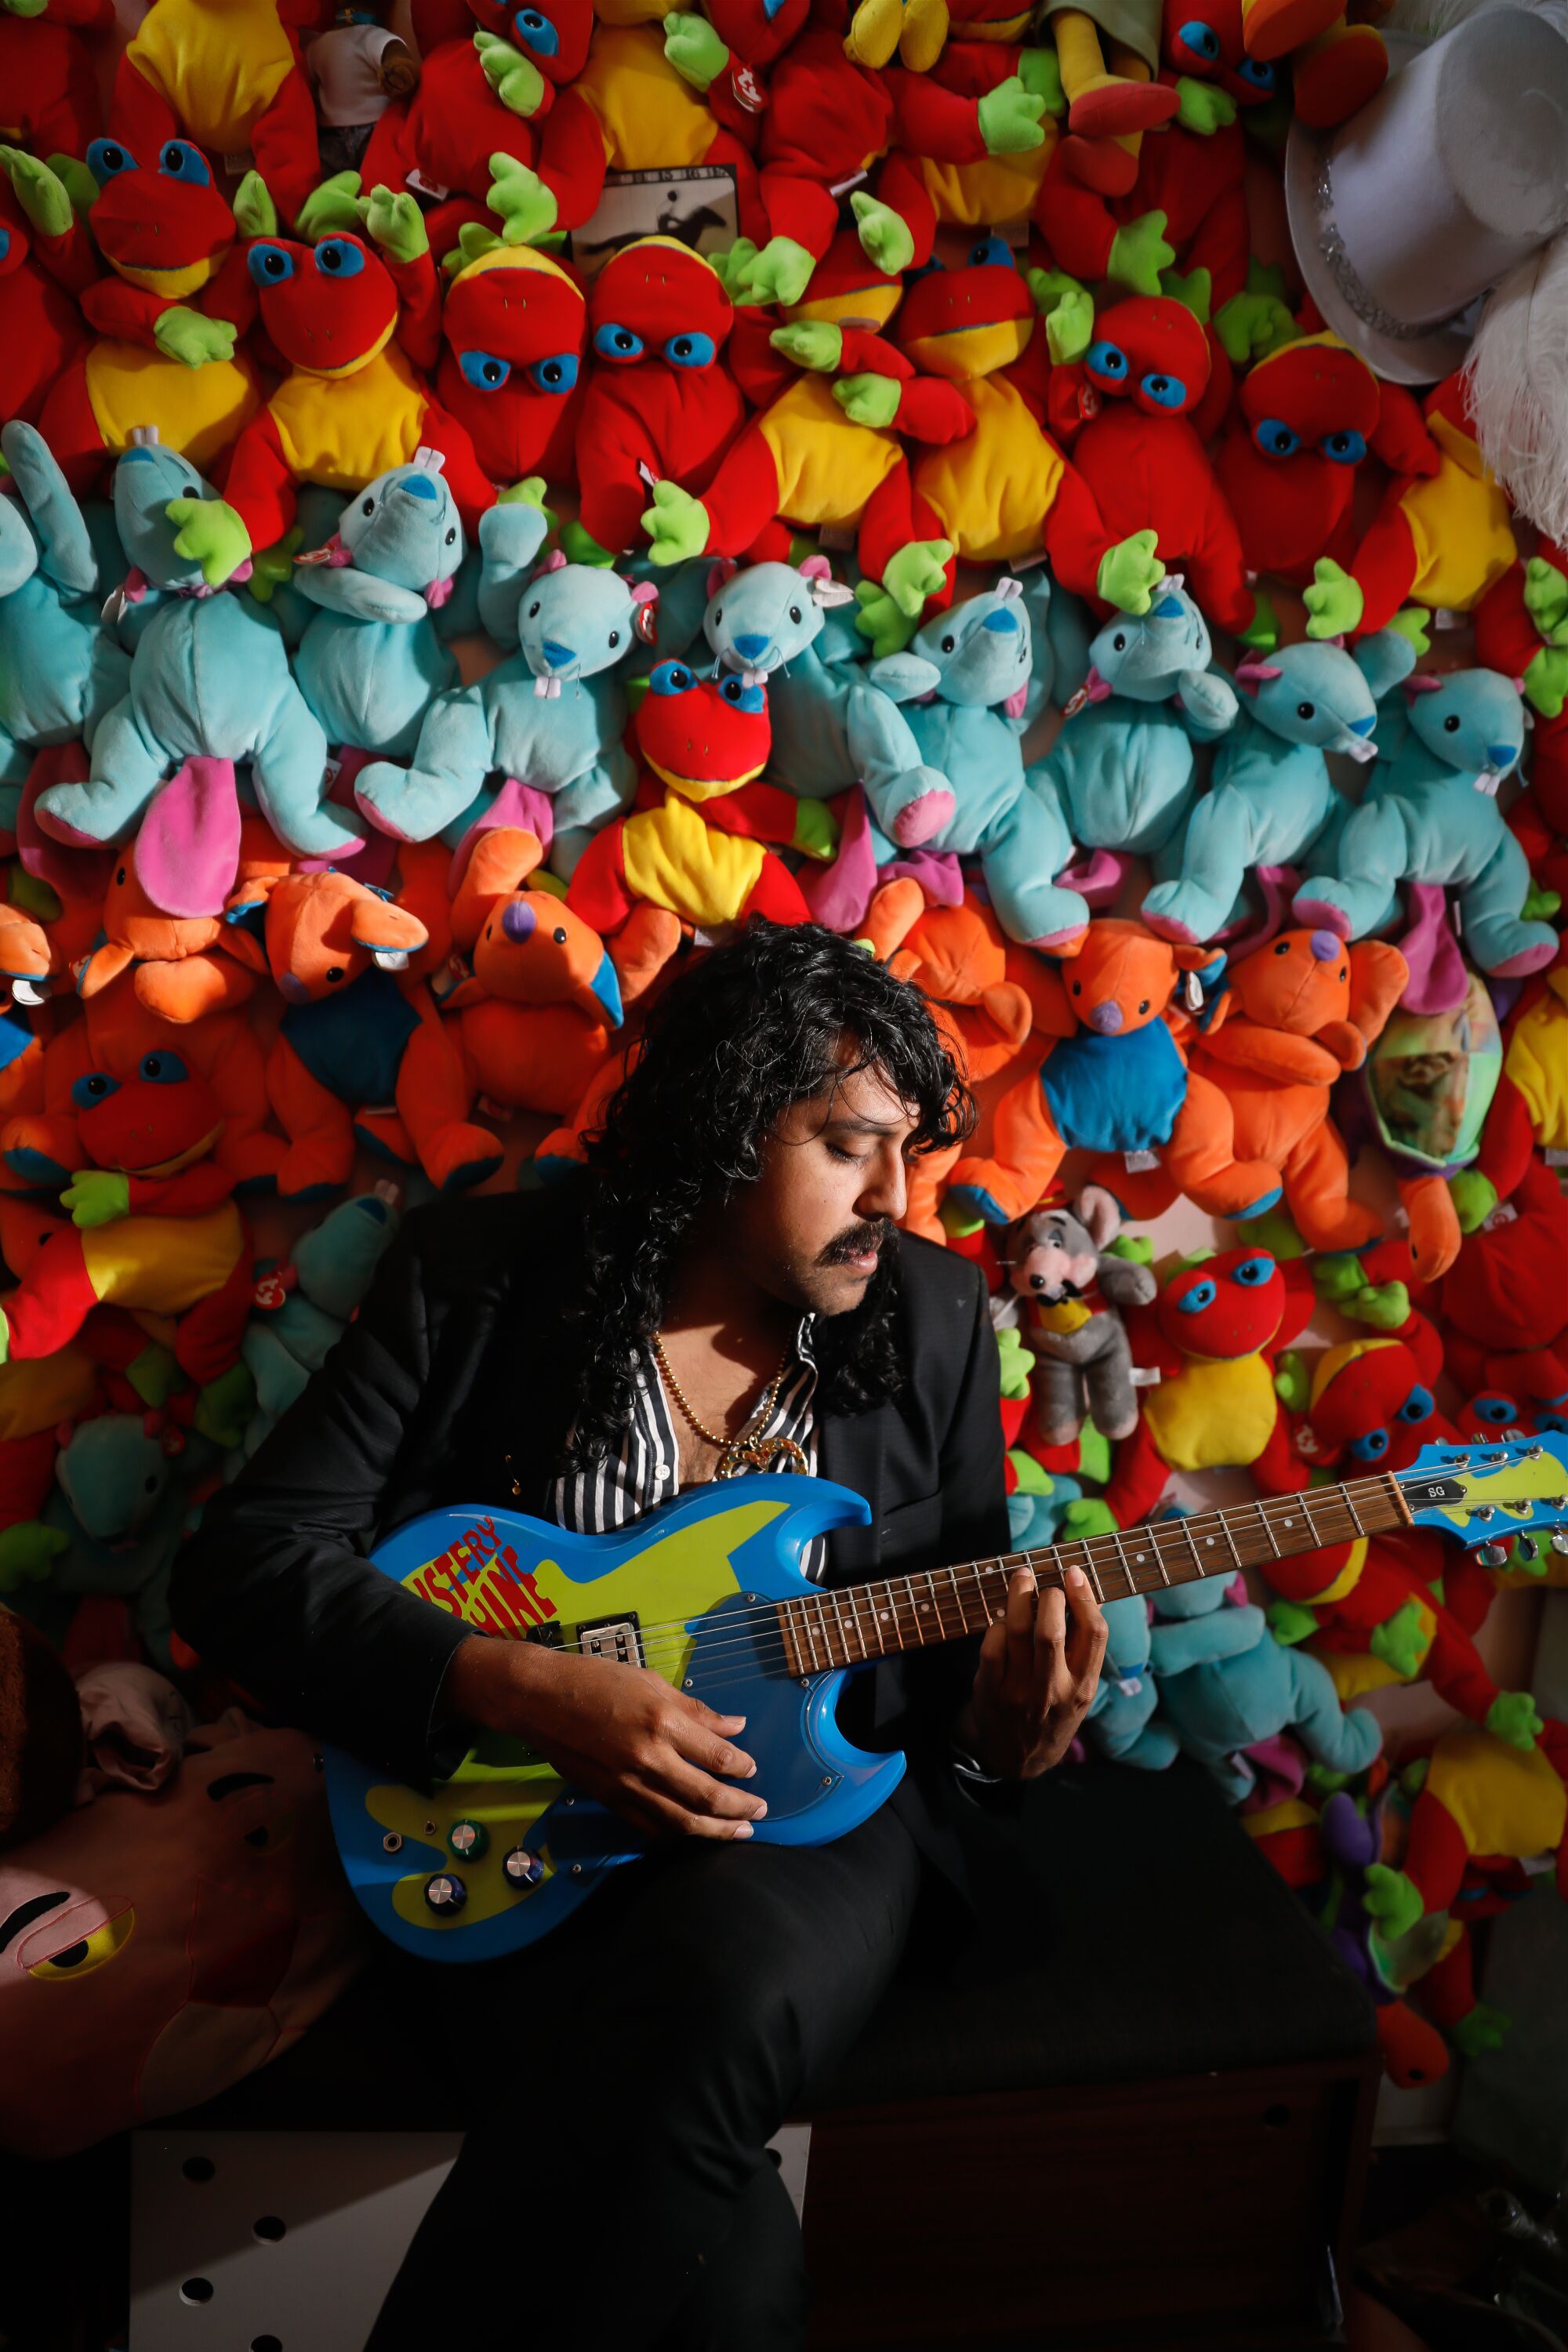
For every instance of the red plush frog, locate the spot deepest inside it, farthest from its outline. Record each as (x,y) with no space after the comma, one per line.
(942,169)
(512,371)
(228,74)
(46,259)
(168,319)
(695,840)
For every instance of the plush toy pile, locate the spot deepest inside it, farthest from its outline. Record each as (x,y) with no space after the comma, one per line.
(432,610)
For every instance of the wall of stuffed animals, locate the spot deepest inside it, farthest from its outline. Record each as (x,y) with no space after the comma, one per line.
(496,497)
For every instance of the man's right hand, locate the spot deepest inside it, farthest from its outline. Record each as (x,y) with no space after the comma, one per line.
(616,1732)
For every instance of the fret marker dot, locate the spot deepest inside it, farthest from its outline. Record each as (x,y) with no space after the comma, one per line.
(883,1615)
(1138,1560)
(1286,1523)
(1209,1540)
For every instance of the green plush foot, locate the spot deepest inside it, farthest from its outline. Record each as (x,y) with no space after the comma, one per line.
(1546,681)
(1068,309)
(1131,572)
(255,213)
(39,190)
(815,343)
(1513,1717)
(1546,597)
(1138,254)
(1086,1517)
(515,79)
(1009,118)
(881,619)
(885,238)
(332,207)
(917,572)
(1202,108)
(1275,1232)
(395,223)
(1252,326)
(1292,1381)
(1334,603)
(693,47)
(1014,1363)
(209,533)
(520,201)
(728,267)
(192,338)
(153,1374)
(958,1221)
(1290,1622)
(1484,2028)
(1040,72)
(1410,622)
(78,181)
(1391,1899)
(1261,633)
(869,399)
(1403,1641)
(580,546)
(1195,292)
(27,1553)
(226,1404)
(1474,1197)
(676,524)
(1541,905)
(815,830)
(779,272)
(273,567)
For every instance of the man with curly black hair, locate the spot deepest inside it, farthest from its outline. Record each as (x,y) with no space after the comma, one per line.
(723,1288)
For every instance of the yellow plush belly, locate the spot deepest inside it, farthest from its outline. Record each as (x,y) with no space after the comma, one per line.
(197,411)
(1464,541)
(342,431)
(163,1263)
(993,489)
(1538,1064)
(983,196)
(828,467)
(652,119)
(220,68)
(1505,1799)
(1215,1414)
(673,859)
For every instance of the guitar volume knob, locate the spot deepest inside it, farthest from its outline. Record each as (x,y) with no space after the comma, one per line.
(468,1840)
(522,1869)
(446,1894)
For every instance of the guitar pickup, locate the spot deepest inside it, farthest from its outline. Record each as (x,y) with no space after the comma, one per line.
(612,1637)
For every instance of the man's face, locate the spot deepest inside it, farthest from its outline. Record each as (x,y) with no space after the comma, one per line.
(811,1229)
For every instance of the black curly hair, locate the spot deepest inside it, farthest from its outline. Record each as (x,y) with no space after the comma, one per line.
(744,1032)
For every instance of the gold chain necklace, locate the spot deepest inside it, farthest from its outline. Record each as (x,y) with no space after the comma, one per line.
(746,1451)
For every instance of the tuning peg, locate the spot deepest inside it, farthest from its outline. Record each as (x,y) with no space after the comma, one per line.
(1493,1555)
(1528,1547)
(1484,1512)
(1560,1540)
(446,1894)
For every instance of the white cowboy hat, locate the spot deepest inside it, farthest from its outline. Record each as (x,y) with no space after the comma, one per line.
(1409,214)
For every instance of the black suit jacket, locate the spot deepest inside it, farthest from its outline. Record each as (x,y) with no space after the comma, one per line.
(459,1357)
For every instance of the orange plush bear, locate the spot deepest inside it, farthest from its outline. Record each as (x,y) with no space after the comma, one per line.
(1293,1016)
(177,975)
(1118,1082)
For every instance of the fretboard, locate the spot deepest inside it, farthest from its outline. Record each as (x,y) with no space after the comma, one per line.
(849,1625)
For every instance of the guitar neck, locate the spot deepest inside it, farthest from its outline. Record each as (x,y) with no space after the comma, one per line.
(847,1625)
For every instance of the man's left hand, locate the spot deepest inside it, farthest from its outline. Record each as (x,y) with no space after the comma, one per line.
(1039,1671)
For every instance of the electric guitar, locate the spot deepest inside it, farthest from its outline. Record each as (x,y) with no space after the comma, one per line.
(707,1591)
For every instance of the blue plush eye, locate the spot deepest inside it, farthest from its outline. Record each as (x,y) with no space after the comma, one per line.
(1257,76)
(992,252)
(4,243)
(1201,39)
(690,351)
(1372,1447)
(336,258)
(178,159)
(1254,1271)
(1417,1405)
(483,370)
(536,33)
(268,265)
(95,1088)
(613,342)
(1344,449)
(106,159)
(162,1069)
(1107,360)
(743,697)
(672,677)
(1498,1410)
(1275,438)
(1201,1295)
(1164,391)
(556,374)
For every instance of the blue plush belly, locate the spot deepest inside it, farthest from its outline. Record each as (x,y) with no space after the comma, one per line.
(1115,1094)
(353,1042)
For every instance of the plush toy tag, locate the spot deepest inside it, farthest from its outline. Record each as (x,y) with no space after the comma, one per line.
(415,179)
(1556,1157)
(1505,1213)
(1193,993)
(749,91)
(271,1289)
(237,166)
(496,1112)
(842,187)
(1146,1376)
(1137,1162)
(838,536)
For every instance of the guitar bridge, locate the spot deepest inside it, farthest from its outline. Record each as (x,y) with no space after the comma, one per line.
(612,1637)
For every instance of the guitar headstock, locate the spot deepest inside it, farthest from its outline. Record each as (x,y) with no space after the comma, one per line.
(1488,1495)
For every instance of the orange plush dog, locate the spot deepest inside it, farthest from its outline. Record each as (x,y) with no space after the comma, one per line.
(1293,1016)
(177,975)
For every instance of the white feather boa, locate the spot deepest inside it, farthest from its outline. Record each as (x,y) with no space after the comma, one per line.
(1517,378)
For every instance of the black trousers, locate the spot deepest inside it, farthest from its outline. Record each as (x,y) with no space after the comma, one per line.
(615,2189)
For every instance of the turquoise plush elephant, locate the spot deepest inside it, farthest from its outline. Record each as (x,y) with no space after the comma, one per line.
(385,591)
(1272,802)
(1121,775)
(209,685)
(1430,814)
(1122,1722)
(304,1307)
(1224,1683)
(60,670)
(548,719)
(122,1502)
(963,690)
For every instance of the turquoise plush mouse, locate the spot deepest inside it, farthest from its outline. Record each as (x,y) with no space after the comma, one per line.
(209,685)
(123,1501)
(61,670)
(303,1308)
(1430,814)
(1122,1722)
(1272,802)
(550,719)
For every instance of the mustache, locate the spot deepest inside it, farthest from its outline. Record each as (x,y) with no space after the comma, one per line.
(857,1241)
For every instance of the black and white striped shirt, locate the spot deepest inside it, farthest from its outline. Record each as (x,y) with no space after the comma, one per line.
(646,1470)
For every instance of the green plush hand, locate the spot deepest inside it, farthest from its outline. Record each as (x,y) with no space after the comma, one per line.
(1546,680)
(1290,1622)
(1402,1640)
(780,271)
(1138,254)
(1339,1276)
(32,895)
(1138,1249)
(1252,326)
(515,79)
(1040,72)
(1129,572)
(1541,905)
(1203,108)
(1261,633)
(1194,291)
(395,223)
(1068,309)
(1086,1517)
(27,1553)
(473,238)
(1513,1717)
(153,1374)
(330,208)
(41,193)
(273,567)
(1391,1899)
(1009,118)
(816,829)
(917,571)
(529,492)
(520,201)
(223,1406)
(727,267)
(693,47)
(25,7)
(209,533)
(97,1196)
(869,399)
(676,523)
(192,338)
(1292,1384)
(1410,622)
(77,180)
(1273,1231)
(889,630)
(1481,2027)
(1334,603)
(255,213)
(1546,598)
(958,1222)
(815,343)
(578,545)
(1016,1362)
(1474,1197)
(885,238)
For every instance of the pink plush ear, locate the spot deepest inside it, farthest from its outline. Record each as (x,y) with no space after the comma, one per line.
(644,592)
(555,561)
(1252,675)
(1419,683)
(816,567)
(718,574)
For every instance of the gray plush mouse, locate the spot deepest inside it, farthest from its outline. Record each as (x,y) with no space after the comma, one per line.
(1072,1289)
